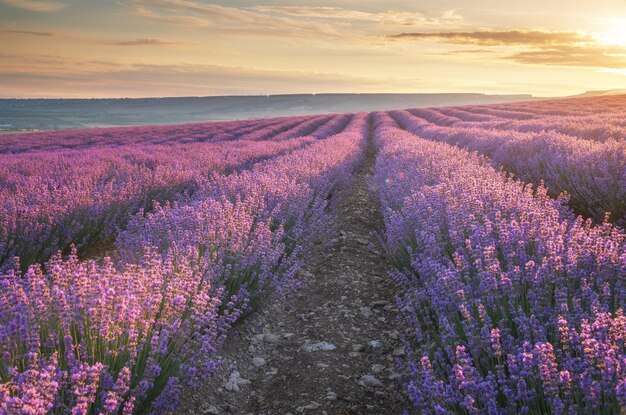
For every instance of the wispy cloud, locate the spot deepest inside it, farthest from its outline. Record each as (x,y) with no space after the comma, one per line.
(322,12)
(21,75)
(28,32)
(229,20)
(472,51)
(141,42)
(388,17)
(497,37)
(35,5)
(565,48)
(596,56)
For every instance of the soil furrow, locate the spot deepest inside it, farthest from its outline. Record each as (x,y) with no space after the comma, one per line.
(332,347)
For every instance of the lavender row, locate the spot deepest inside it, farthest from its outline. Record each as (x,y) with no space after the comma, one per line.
(572,106)
(605,122)
(505,113)
(289,128)
(592,173)
(461,114)
(119,136)
(513,305)
(57,198)
(317,127)
(266,182)
(86,338)
(596,127)
(88,197)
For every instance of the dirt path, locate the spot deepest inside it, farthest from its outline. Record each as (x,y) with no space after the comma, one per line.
(332,348)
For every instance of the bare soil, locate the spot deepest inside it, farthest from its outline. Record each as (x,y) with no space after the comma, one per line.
(331,348)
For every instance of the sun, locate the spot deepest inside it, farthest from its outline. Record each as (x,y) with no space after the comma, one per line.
(613,32)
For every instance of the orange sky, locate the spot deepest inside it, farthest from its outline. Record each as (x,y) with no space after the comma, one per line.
(135,48)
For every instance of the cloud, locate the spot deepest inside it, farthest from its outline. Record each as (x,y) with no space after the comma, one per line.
(230,20)
(313,23)
(592,57)
(28,32)
(21,75)
(387,17)
(308,11)
(497,38)
(467,51)
(537,47)
(35,5)
(141,42)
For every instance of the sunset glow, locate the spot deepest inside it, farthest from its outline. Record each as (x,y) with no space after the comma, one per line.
(137,48)
(614,34)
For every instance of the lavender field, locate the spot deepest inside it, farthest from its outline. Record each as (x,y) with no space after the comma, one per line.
(131,258)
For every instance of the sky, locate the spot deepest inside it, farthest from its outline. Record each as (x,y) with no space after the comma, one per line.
(151,48)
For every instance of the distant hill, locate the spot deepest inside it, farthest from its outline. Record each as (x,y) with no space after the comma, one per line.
(54,114)
(601,93)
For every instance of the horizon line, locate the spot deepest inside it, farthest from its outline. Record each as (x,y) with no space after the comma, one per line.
(288,94)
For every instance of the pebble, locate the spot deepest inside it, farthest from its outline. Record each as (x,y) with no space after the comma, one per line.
(235,381)
(306,274)
(366,311)
(370,381)
(380,303)
(358,347)
(211,410)
(399,351)
(258,362)
(394,376)
(270,338)
(374,344)
(377,368)
(354,354)
(394,334)
(314,347)
(312,406)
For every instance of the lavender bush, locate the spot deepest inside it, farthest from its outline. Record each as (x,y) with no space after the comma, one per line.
(515,305)
(83,337)
(592,173)
(55,198)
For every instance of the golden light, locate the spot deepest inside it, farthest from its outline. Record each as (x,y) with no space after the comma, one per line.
(613,33)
